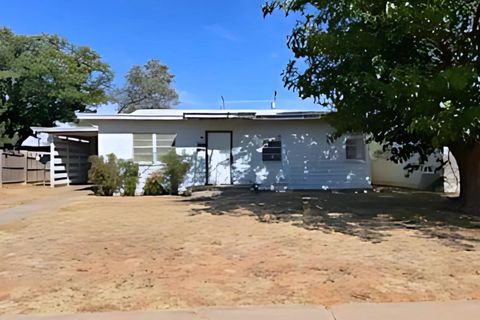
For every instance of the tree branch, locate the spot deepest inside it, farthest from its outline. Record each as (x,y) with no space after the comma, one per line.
(126,105)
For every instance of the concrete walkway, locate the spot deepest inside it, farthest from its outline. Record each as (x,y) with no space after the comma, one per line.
(62,196)
(455,310)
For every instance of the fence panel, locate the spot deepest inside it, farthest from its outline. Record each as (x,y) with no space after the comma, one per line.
(38,169)
(13,167)
(24,167)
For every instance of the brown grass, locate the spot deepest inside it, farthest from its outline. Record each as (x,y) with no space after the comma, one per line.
(104,254)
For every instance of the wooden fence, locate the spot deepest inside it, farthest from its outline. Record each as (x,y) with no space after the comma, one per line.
(24,167)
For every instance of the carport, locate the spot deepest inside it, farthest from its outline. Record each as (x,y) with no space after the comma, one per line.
(70,148)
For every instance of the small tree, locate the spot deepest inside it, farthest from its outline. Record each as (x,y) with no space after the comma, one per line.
(176,167)
(129,176)
(104,175)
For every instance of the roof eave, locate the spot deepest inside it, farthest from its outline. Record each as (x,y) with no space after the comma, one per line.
(206,115)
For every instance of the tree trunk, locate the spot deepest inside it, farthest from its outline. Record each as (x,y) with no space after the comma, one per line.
(468,160)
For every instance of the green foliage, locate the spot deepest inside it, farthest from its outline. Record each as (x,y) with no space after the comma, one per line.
(174,171)
(44,79)
(153,184)
(129,174)
(110,175)
(406,72)
(147,87)
(6,142)
(104,174)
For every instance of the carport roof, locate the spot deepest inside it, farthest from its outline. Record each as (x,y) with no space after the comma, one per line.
(83,131)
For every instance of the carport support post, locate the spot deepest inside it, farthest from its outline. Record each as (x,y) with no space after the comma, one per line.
(52,163)
(68,162)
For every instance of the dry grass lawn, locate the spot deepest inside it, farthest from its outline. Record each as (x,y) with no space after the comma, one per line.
(241,248)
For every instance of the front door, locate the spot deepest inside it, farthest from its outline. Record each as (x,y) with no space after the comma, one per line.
(219,157)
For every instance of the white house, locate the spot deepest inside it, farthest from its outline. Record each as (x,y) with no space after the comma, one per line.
(389,173)
(276,149)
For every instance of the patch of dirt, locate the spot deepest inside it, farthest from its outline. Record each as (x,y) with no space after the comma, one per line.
(12,195)
(106,254)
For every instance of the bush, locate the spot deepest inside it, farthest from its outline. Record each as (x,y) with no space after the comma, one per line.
(153,184)
(104,175)
(129,175)
(174,171)
(110,175)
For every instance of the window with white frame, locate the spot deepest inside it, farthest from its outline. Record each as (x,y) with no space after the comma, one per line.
(150,147)
(272,150)
(355,148)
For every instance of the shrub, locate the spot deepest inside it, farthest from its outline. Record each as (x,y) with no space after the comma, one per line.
(110,175)
(174,171)
(153,184)
(104,174)
(129,176)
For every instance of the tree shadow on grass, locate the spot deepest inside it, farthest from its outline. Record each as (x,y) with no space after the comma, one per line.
(369,216)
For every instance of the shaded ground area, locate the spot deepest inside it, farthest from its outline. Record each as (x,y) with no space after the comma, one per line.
(367,215)
(142,253)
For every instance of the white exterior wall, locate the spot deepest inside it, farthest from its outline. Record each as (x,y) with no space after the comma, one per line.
(308,161)
(121,144)
(451,173)
(389,173)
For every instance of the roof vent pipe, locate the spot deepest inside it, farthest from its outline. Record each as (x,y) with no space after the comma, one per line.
(274,102)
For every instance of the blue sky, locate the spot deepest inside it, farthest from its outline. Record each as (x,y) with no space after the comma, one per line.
(213,47)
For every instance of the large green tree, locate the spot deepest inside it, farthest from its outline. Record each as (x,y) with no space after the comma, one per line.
(147,87)
(406,72)
(44,79)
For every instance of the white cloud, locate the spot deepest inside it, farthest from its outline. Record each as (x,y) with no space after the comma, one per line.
(221,32)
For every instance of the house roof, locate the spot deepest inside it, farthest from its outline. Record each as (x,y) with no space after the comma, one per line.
(178,114)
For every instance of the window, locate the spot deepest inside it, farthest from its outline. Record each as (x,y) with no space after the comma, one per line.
(165,142)
(272,150)
(142,147)
(355,148)
(149,147)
